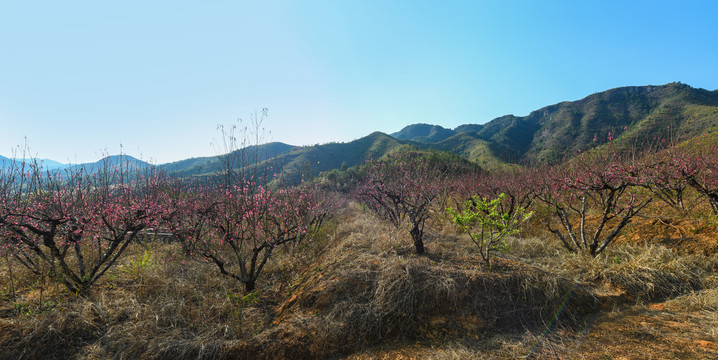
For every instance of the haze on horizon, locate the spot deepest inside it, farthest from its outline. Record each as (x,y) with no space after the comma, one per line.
(83,78)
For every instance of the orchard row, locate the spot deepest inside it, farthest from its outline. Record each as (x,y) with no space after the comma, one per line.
(74,226)
(607,187)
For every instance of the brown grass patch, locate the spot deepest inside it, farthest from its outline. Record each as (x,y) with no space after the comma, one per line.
(370,290)
(637,273)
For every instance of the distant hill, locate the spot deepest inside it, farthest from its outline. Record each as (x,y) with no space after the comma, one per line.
(293,164)
(471,147)
(114,161)
(47,164)
(212,164)
(52,164)
(309,161)
(632,115)
(424,133)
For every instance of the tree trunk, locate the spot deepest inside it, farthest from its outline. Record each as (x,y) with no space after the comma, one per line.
(12,278)
(417,235)
(248,286)
(713,199)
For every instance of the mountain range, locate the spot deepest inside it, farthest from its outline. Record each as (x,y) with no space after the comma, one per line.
(631,115)
(627,116)
(46,163)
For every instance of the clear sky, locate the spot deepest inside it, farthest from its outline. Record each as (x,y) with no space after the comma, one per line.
(82,78)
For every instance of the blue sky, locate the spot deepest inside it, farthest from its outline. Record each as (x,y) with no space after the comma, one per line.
(155,78)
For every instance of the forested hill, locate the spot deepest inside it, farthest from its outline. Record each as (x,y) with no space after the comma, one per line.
(212,164)
(632,115)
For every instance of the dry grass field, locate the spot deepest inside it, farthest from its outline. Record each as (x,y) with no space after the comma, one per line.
(358,291)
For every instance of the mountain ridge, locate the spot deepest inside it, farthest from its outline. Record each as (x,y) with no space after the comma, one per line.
(632,115)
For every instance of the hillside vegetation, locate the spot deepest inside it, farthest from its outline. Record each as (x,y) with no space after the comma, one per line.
(204,166)
(634,116)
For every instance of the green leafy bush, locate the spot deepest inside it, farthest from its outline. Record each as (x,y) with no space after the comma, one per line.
(487,224)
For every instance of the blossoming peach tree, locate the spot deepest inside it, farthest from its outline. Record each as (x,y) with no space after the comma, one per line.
(236,220)
(238,228)
(401,189)
(76,223)
(603,184)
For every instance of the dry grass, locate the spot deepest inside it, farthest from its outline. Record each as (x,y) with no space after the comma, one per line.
(160,309)
(525,345)
(640,273)
(703,300)
(371,289)
(360,291)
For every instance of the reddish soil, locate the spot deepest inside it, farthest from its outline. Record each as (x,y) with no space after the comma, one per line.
(689,235)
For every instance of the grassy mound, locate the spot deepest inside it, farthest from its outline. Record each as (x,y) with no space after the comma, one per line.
(368,289)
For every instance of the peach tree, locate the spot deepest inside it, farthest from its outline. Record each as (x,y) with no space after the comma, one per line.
(238,228)
(75,223)
(401,188)
(602,186)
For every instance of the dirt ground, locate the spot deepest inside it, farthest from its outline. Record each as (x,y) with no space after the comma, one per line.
(638,332)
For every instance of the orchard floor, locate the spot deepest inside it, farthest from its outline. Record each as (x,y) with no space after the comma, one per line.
(636,332)
(359,292)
